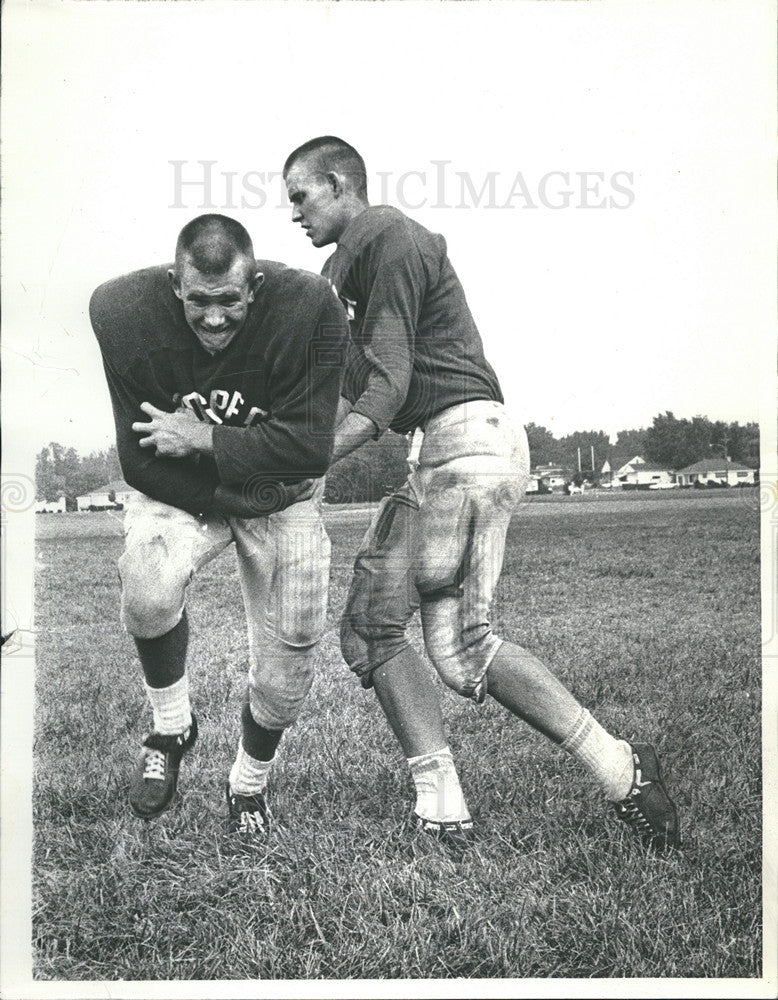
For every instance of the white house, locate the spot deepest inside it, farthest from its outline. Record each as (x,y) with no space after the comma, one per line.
(625,469)
(51,506)
(640,473)
(110,495)
(716,470)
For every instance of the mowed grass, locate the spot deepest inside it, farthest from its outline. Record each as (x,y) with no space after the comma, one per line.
(649,611)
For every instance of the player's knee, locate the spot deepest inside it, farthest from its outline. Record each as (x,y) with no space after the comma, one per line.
(462,660)
(366,647)
(280,677)
(383,641)
(152,599)
(145,617)
(463,678)
(276,706)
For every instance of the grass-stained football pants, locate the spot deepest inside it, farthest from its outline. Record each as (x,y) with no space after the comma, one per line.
(283,564)
(438,543)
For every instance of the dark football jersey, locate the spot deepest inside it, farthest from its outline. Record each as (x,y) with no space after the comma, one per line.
(272,393)
(414,349)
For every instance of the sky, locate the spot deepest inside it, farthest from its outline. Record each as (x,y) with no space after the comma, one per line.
(601,173)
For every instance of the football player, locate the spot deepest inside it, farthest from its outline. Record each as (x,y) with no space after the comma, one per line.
(416,361)
(224,376)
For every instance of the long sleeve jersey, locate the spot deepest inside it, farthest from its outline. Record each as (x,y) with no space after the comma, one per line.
(272,393)
(414,349)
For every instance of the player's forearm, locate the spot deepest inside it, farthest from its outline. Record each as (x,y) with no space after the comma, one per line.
(293,444)
(351,434)
(273,449)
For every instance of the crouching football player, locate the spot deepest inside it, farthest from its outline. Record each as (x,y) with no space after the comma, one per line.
(416,360)
(224,376)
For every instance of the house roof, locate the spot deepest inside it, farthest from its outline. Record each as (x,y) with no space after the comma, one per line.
(714,465)
(548,470)
(623,460)
(621,456)
(652,467)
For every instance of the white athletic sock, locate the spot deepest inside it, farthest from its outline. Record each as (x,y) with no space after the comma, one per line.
(249,775)
(608,759)
(439,795)
(172,711)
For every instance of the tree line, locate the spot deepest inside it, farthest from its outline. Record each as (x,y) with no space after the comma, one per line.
(61,471)
(369,474)
(670,441)
(380,466)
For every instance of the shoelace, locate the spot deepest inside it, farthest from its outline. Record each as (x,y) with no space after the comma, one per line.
(251,822)
(635,817)
(155,765)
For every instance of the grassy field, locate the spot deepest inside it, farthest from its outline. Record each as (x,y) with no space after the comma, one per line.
(648,608)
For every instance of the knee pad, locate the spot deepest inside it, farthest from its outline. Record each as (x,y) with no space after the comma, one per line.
(367,647)
(461,657)
(152,599)
(382,598)
(280,677)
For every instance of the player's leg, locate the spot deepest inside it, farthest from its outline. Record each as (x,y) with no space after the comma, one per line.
(284,572)
(628,774)
(382,600)
(465,518)
(163,548)
(473,661)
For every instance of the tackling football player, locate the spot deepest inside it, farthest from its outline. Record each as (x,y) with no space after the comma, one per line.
(416,361)
(224,376)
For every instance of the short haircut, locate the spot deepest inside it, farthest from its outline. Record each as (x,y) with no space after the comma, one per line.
(212,243)
(328,152)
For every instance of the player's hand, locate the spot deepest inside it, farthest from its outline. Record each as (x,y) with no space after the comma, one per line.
(174,435)
(298,492)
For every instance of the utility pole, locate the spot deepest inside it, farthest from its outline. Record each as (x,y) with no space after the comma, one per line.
(726,460)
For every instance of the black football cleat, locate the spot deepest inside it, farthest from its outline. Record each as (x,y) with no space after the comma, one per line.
(248,815)
(455,834)
(155,778)
(648,809)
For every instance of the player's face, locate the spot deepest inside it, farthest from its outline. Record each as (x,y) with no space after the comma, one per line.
(215,305)
(315,204)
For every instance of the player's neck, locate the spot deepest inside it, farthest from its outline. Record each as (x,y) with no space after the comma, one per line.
(354,208)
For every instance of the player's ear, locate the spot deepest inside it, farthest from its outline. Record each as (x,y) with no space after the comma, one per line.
(175,284)
(335,181)
(255,283)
